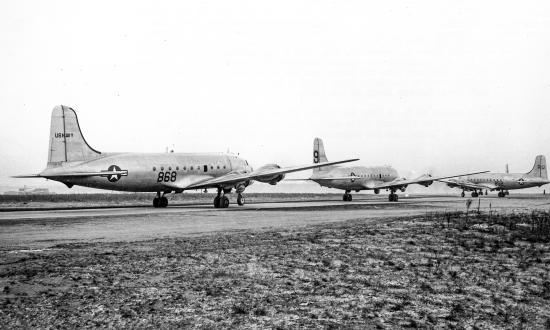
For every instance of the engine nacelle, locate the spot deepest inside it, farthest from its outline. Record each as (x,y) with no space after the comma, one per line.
(426,183)
(271,179)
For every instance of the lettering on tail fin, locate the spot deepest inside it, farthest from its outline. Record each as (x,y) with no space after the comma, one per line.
(539,169)
(67,144)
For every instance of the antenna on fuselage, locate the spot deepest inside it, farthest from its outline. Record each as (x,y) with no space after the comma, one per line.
(507,169)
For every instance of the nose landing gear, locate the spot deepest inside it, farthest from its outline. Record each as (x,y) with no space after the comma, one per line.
(240,199)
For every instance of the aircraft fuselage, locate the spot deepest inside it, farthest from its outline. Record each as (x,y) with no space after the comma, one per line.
(365,176)
(506,181)
(147,172)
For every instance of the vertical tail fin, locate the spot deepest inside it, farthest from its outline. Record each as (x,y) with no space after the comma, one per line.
(319,156)
(539,169)
(67,144)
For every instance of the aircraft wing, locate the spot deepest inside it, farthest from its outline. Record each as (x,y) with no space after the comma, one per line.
(73,174)
(468,184)
(326,178)
(234,178)
(424,180)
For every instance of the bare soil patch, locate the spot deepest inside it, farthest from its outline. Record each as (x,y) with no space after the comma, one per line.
(478,271)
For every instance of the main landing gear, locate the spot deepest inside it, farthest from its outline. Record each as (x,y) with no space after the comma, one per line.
(503,193)
(347,196)
(462,194)
(221,201)
(476,194)
(392,197)
(160,201)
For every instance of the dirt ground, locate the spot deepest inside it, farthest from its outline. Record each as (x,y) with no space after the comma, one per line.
(434,270)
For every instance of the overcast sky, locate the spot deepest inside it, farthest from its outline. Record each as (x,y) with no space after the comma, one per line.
(441,86)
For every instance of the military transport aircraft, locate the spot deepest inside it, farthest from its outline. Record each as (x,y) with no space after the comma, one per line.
(363,178)
(73,162)
(502,181)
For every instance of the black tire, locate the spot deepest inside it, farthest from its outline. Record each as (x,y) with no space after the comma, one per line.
(225,202)
(395,198)
(462,194)
(345,197)
(390,197)
(163,202)
(217,202)
(156,202)
(240,200)
(350,198)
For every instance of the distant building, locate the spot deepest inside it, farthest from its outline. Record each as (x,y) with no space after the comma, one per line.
(29,191)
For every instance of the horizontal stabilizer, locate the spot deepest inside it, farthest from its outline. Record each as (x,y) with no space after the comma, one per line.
(27,176)
(73,174)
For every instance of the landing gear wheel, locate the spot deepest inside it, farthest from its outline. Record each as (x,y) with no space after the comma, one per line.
(224,202)
(217,201)
(393,197)
(501,194)
(156,202)
(347,198)
(240,200)
(463,194)
(474,194)
(163,202)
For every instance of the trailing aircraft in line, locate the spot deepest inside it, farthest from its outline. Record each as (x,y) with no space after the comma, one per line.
(73,162)
(364,178)
(502,182)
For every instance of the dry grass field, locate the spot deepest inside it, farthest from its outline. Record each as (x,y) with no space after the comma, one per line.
(442,270)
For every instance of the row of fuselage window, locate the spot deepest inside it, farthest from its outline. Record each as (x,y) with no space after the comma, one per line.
(204,168)
(372,175)
(484,180)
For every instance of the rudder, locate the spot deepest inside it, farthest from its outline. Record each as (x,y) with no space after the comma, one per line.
(67,144)
(539,169)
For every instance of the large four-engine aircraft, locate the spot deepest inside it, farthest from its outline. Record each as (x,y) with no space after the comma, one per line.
(502,182)
(364,178)
(73,162)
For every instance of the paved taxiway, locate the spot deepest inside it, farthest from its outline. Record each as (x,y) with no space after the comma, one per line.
(45,228)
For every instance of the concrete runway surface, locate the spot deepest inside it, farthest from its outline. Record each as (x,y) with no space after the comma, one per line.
(46,228)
